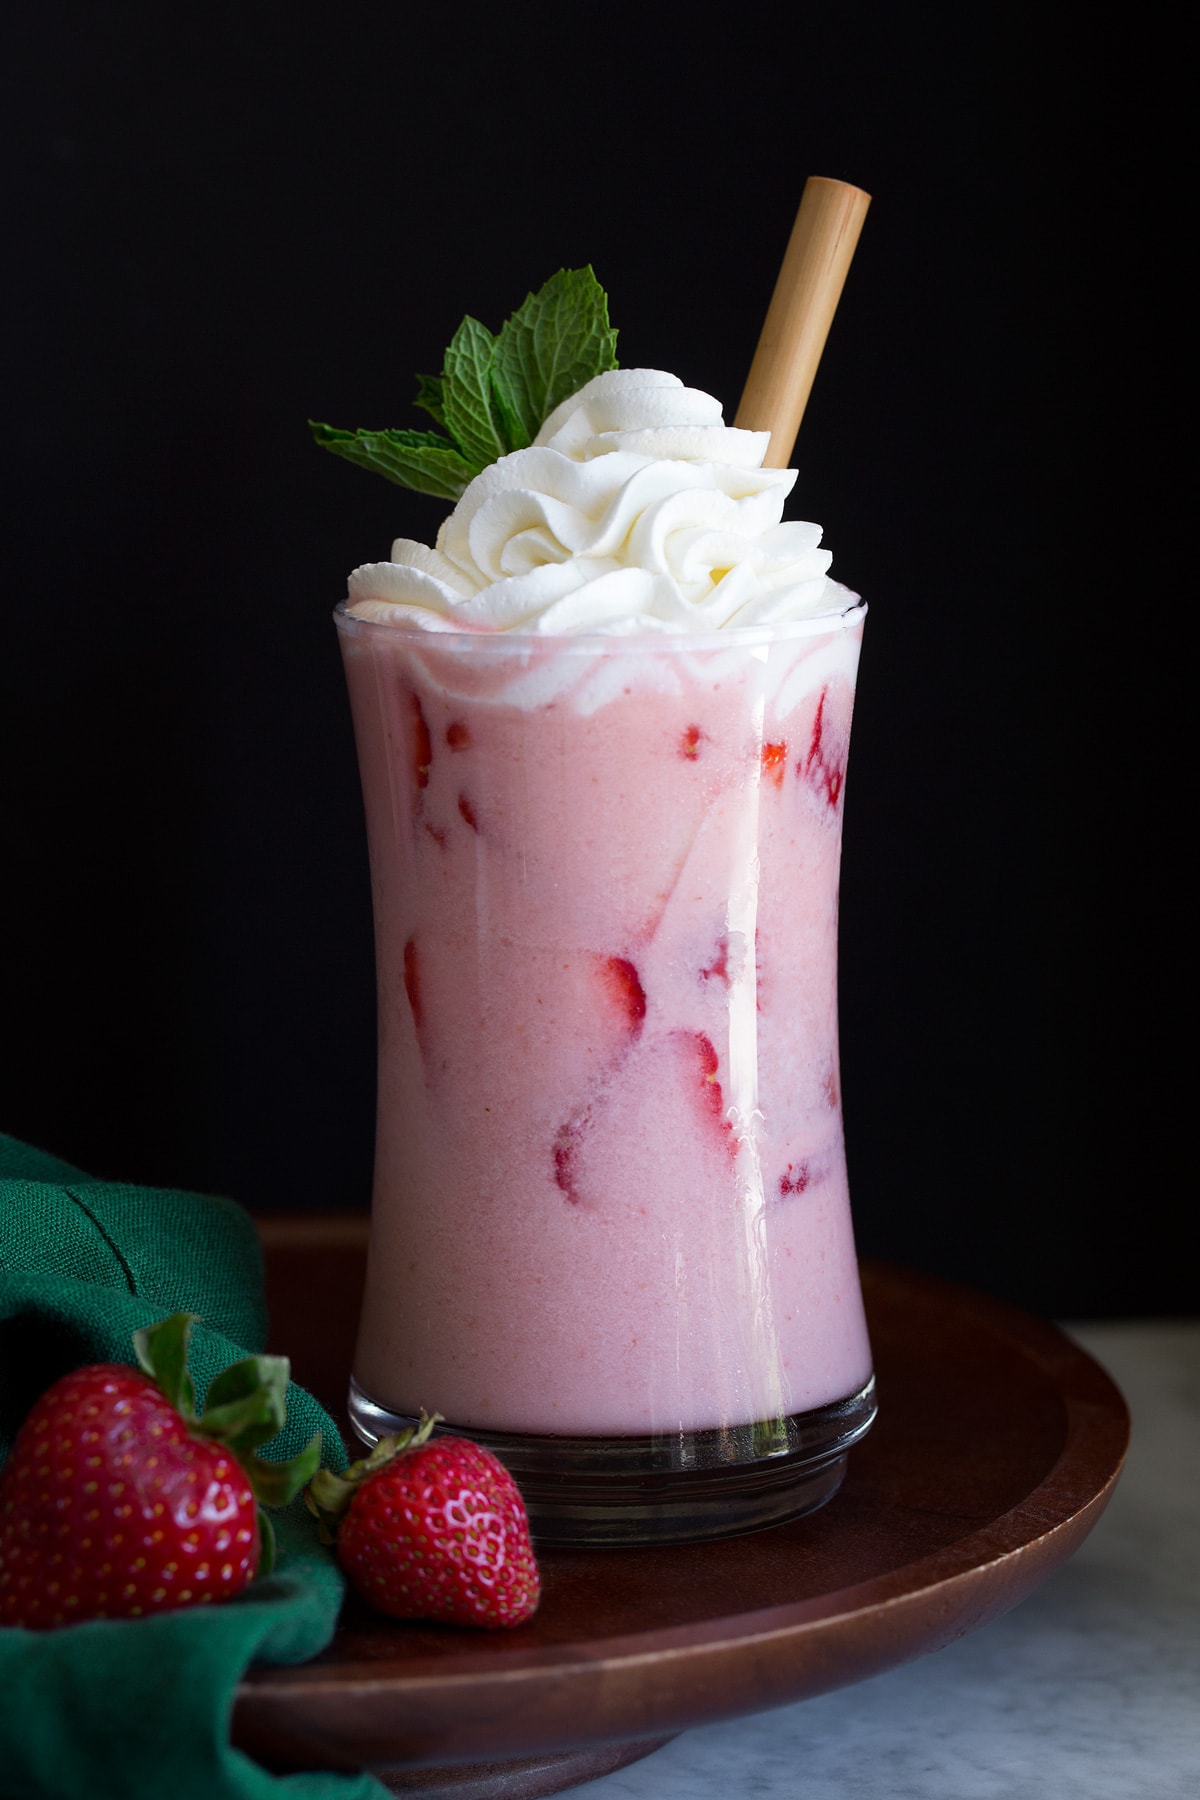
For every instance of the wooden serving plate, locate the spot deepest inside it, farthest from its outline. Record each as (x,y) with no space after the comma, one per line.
(997,1446)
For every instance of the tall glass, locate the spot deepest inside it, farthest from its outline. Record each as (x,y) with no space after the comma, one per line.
(611,1230)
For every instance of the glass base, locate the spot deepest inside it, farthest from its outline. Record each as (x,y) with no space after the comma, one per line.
(667,1489)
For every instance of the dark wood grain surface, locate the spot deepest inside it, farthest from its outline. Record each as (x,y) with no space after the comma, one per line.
(997,1445)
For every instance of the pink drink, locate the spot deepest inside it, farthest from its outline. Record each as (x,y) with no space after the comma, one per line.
(610,1187)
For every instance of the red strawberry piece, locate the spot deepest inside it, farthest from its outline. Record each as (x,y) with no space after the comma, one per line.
(718,966)
(623,985)
(689,743)
(706,1066)
(624,999)
(794,1179)
(422,745)
(412,982)
(457,735)
(117,1501)
(774,763)
(467,812)
(622,991)
(566,1154)
(708,1063)
(432,1528)
(825,768)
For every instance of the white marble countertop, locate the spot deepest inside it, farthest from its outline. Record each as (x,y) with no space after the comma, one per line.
(1090,1688)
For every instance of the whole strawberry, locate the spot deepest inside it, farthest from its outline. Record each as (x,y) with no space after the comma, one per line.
(118,1501)
(431,1528)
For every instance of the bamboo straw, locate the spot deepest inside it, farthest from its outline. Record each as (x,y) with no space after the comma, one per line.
(806,294)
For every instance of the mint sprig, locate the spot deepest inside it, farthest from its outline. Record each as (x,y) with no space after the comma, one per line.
(556,341)
(494,392)
(470,411)
(423,460)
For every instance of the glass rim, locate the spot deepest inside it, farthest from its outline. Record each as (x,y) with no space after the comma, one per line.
(529,643)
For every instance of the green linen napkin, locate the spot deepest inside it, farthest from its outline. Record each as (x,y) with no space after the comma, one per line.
(130,1709)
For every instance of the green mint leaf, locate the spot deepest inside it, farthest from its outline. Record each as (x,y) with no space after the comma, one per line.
(429,398)
(423,460)
(555,342)
(508,411)
(162,1353)
(470,413)
(494,393)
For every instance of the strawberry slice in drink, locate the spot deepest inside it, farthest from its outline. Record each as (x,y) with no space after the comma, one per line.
(422,744)
(621,1012)
(824,767)
(412,983)
(774,763)
(703,1065)
(656,1125)
(622,987)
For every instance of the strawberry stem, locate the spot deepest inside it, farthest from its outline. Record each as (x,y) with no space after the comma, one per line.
(246,1405)
(162,1353)
(266,1546)
(327,1496)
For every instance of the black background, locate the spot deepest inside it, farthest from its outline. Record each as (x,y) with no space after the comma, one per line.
(224,219)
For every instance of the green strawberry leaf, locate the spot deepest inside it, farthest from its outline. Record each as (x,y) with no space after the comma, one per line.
(555,342)
(328,1495)
(246,1404)
(423,460)
(162,1353)
(266,1547)
(277,1483)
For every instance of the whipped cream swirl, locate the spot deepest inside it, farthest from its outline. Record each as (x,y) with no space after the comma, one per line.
(637,510)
